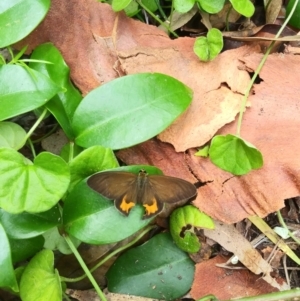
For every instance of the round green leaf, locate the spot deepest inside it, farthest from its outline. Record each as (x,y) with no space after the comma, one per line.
(211,6)
(118,5)
(157,269)
(244,7)
(27,225)
(32,187)
(208,48)
(19,17)
(39,281)
(64,103)
(11,135)
(21,91)
(182,223)
(128,110)
(7,275)
(234,154)
(183,6)
(91,160)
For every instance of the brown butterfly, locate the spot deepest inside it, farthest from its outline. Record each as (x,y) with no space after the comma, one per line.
(152,191)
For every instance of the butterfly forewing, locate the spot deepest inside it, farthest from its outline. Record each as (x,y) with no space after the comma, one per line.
(112,185)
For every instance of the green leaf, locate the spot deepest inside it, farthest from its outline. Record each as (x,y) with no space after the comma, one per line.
(132,9)
(32,187)
(207,48)
(118,5)
(91,218)
(63,104)
(202,152)
(182,223)
(244,7)
(211,6)
(234,154)
(11,135)
(39,281)
(22,92)
(295,19)
(54,241)
(128,110)
(90,161)
(150,4)
(7,275)
(157,269)
(27,225)
(19,17)
(22,249)
(183,6)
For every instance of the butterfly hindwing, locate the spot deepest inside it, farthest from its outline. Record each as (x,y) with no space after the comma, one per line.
(170,189)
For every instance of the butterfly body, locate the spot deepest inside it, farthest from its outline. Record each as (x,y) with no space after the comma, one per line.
(152,191)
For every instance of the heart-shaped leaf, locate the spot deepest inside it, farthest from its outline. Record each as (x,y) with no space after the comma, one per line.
(234,154)
(207,48)
(32,187)
(39,281)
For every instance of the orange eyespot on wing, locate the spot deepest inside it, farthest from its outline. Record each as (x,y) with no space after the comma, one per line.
(151,208)
(124,205)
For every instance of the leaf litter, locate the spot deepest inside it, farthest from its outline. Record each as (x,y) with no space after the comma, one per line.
(104,45)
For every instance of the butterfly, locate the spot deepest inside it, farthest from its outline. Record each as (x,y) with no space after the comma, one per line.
(152,191)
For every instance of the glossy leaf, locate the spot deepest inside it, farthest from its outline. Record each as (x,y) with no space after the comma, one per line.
(7,275)
(244,7)
(234,154)
(128,111)
(31,186)
(11,135)
(207,48)
(39,281)
(63,104)
(182,223)
(157,269)
(91,160)
(19,17)
(22,249)
(21,91)
(27,225)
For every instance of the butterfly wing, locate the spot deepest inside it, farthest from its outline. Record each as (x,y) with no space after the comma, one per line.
(171,190)
(118,186)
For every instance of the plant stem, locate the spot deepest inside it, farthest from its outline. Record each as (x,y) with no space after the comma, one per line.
(282,223)
(258,69)
(39,120)
(155,18)
(85,268)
